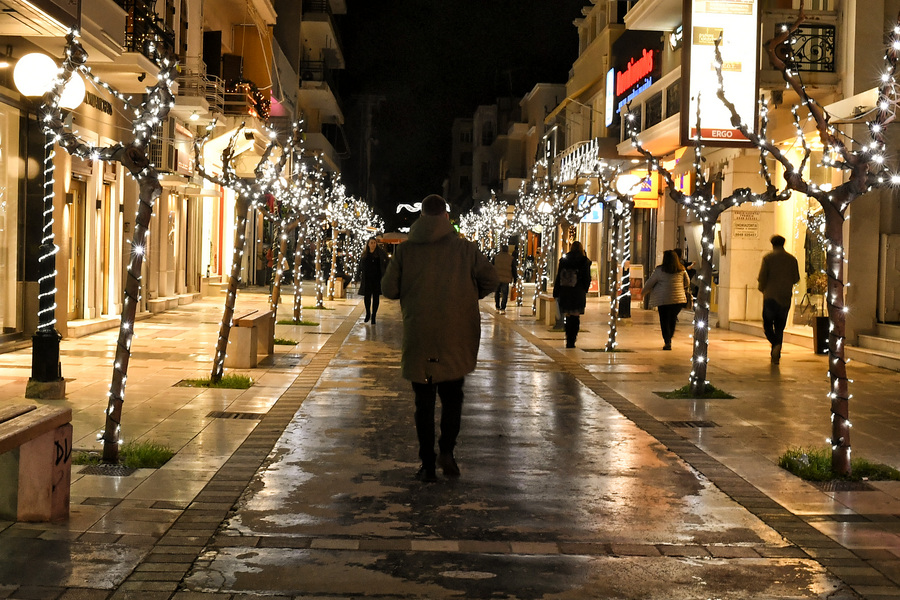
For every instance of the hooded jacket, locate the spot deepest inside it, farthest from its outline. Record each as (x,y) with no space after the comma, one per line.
(438,278)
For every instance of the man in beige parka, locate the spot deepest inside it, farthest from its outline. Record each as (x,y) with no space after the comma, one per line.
(438,278)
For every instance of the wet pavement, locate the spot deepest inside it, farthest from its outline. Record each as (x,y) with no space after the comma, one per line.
(578,481)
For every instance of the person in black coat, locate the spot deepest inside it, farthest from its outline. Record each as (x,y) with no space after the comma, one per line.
(371,269)
(573,280)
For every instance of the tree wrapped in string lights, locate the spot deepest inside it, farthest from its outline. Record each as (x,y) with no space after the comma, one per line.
(133,157)
(706,208)
(251,193)
(864,164)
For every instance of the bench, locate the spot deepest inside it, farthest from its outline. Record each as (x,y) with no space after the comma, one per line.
(252,335)
(35,462)
(546,309)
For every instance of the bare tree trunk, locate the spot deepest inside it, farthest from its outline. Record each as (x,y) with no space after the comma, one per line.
(837,364)
(614,281)
(700,356)
(334,257)
(520,269)
(320,284)
(242,207)
(150,189)
(280,261)
(298,276)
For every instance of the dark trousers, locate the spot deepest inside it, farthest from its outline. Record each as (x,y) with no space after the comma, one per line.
(774,319)
(573,324)
(451,393)
(371,300)
(501,296)
(668,316)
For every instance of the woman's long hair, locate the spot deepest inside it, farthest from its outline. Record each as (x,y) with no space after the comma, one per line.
(366,249)
(576,249)
(671,263)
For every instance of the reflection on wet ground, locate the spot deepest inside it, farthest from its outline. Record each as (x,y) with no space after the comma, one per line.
(561,496)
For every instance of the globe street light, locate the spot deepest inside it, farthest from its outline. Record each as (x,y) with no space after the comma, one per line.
(36,74)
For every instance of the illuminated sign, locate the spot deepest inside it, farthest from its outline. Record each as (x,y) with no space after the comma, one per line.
(636,66)
(610,97)
(634,72)
(596,213)
(736,23)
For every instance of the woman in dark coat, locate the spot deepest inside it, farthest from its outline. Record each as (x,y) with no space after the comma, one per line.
(573,280)
(371,269)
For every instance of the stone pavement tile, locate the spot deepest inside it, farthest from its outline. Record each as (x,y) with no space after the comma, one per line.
(871,592)
(782,552)
(7,590)
(27,592)
(732,552)
(686,551)
(149,586)
(99,538)
(156,576)
(389,545)
(634,550)
(584,548)
(84,594)
(334,544)
(129,594)
(888,568)
(860,576)
(534,548)
(132,540)
(434,546)
(485,547)
(236,541)
(830,552)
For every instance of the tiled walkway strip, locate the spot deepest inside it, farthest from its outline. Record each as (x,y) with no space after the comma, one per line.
(864,572)
(159,575)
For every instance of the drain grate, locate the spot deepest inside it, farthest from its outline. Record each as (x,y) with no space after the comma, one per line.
(107,470)
(843,486)
(223,414)
(691,424)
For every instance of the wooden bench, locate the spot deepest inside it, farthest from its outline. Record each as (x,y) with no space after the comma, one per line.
(35,462)
(252,335)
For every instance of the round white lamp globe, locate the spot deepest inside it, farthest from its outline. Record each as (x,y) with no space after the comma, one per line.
(34,76)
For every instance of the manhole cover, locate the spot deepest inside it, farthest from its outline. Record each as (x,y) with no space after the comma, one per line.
(107,470)
(693,424)
(221,414)
(843,486)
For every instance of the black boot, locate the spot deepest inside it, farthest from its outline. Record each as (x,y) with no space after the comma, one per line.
(572,325)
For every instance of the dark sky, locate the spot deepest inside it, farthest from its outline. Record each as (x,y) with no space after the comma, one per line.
(433,61)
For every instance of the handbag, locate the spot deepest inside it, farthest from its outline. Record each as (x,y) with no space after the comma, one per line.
(805,311)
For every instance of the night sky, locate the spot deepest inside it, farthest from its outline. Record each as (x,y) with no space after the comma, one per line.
(433,61)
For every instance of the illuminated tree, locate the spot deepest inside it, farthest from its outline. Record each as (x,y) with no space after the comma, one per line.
(864,165)
(706,208)
(133,157)
(251,194)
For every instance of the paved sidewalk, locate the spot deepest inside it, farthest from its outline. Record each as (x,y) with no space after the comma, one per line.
(336,398)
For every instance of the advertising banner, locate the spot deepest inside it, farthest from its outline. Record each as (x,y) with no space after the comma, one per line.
(736,24)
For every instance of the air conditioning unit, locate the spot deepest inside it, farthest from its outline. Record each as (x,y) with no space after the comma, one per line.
(161,150)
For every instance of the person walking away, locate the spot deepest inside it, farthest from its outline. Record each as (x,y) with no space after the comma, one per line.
(505,265)
(668,289)
(371,269)
(570,287)
(439,278)
(777,275)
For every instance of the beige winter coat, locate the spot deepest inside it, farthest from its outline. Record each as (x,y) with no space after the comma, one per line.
(438,278)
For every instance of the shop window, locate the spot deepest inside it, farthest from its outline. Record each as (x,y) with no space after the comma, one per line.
(654,110)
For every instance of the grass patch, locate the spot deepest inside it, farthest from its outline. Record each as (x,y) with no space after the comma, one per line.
(231,381)
(684,393)
(285,342)
(134,454)
(303,322)
(814,464)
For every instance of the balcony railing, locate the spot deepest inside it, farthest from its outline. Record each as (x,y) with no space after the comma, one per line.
(143,25)
(196,83)
(245,99)
(812,48)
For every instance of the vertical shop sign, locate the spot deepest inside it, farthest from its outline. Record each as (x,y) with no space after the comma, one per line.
(737,22)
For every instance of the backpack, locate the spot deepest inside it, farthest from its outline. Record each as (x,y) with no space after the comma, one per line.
(568,277)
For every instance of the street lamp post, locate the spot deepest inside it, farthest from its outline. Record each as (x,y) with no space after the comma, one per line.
(34,75)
